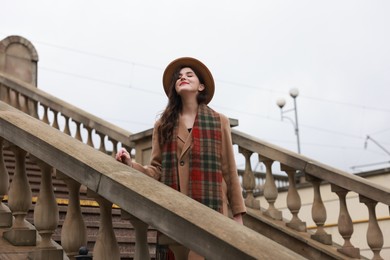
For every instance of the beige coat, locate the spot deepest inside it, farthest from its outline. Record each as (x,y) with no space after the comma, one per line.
(231,188)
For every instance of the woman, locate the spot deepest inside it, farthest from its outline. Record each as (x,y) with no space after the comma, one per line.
(192,149)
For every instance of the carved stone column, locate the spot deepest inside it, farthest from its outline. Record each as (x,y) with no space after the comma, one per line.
(45,117)
(102,146)
(270,190)
(141,236)
(114,147)
(19,201)
(89,138)
(293,201)
(4,93)
(73,232)
(5,212)
(345,224)
(374,233)
(55,120)
(106,246)
(248,180)
(33,108)
(78,131)
(46,216)
(318,212)
(67,128)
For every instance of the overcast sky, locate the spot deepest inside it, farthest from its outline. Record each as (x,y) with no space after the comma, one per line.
(107,57)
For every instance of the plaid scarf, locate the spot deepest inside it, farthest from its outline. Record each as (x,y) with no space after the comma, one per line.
(205,160)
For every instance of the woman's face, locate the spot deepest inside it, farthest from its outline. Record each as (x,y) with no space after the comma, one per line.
(188,83)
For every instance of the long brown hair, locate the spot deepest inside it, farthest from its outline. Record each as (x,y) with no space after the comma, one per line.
(170,115)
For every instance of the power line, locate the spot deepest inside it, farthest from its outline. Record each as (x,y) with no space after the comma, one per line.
(223,81)
(307,97)
(347,104)
(222,107)
(340,147)
(332,131)
(248,86)
(246,112)
(101,56)
(220,80)
(304,125)
(128,86)
(380,131)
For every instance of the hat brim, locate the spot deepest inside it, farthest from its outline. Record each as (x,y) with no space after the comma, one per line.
(196,65)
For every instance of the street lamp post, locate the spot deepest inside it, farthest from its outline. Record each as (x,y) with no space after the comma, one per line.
(281,103)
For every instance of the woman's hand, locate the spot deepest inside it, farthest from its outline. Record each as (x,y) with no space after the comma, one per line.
(238,218)
(124,156)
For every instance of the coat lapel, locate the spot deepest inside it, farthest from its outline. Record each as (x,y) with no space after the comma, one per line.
(184,138)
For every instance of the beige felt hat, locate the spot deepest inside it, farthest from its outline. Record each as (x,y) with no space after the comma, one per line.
(196,65)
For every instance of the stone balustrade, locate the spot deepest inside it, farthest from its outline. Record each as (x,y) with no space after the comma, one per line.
(302,171)
(12,91)
(315,173)
(290,162)
(148,201)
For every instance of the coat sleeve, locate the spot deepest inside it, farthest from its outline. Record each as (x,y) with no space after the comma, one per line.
(154,169)
(229,170)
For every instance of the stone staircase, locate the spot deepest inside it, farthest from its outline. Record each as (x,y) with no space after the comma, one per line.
(123,229)
(267,233)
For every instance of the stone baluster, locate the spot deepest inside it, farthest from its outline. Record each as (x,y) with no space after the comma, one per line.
(270,190)
(74,231)
(5,212)
(102,146)
(259,182)
(4,94)
(46,215)
(33,108)
(141,236)
(114,146)
(17,101)
(293,201)
(19,202)
(89,139)
(23,103)
(7,95)
(67,128)
(55,120)
(345,225)
(374,233)
(45,117)
(248,180)
(12,98)
(78,131)
(318,212)
(106,246)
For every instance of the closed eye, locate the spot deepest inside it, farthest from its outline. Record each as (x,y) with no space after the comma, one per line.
(188,74)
